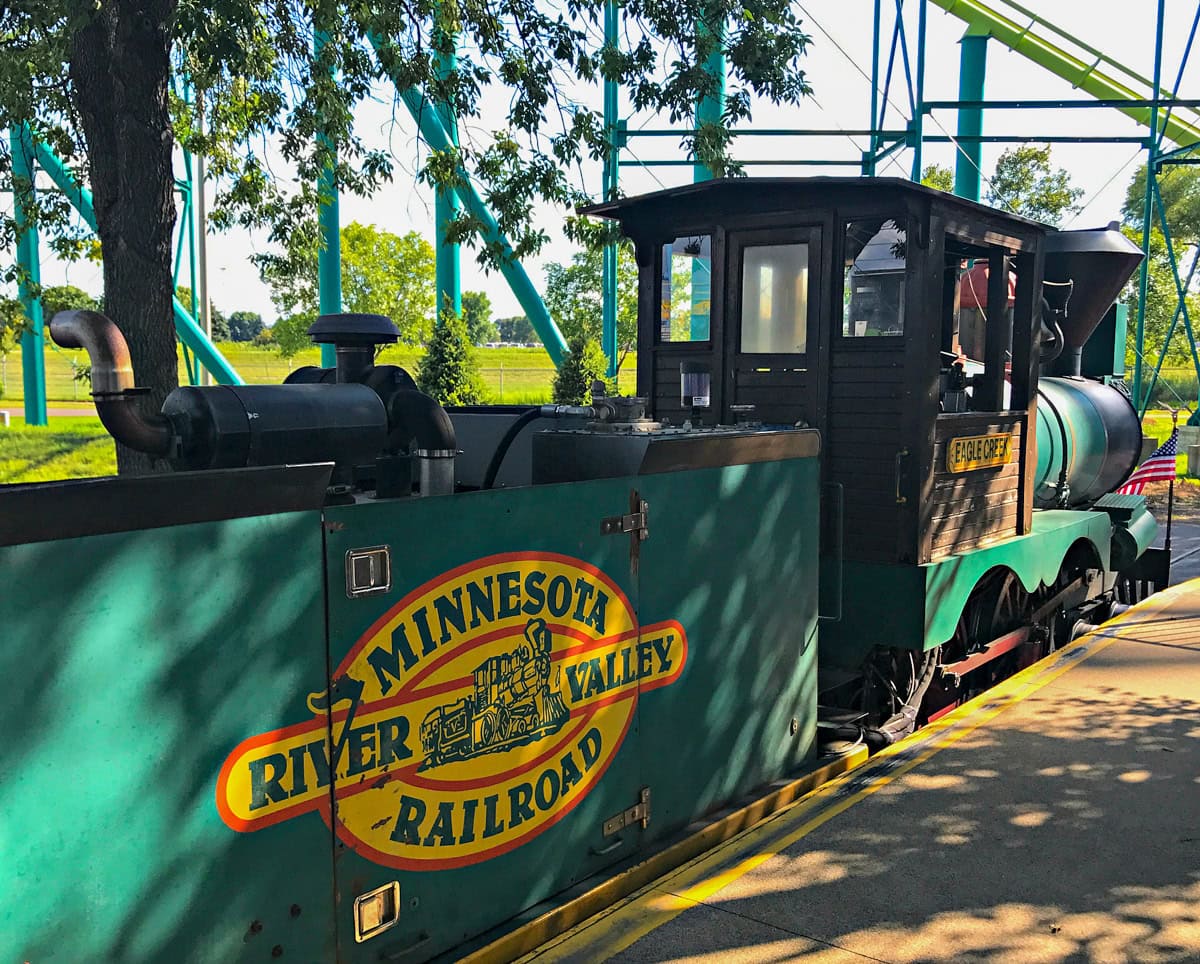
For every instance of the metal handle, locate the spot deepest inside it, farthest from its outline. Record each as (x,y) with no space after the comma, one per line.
(839,550)
(900,456)
(606,850)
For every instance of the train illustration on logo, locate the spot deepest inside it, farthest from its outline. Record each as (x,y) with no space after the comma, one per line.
(513,703)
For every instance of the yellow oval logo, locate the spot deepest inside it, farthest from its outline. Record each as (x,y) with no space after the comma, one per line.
(474,714)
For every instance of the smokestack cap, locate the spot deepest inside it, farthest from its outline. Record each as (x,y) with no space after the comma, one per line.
(353,330)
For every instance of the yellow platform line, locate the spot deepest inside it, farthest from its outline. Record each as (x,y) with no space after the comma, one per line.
(614,889)
(629,920)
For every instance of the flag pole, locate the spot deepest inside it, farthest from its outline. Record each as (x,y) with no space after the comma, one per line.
(1171,485)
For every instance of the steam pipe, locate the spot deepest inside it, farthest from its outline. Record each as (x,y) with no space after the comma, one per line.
(414,415)
(113,391)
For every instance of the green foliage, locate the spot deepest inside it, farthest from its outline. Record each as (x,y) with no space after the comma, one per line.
(939,177)
(220,326)
(573,298)
(1162,300)
(56,298)
(245,325)
(12,324)
(1025,184)
(264,102)
(449,371)
(382,273)
(585,364)
(517,330)
(477,313)
(1179,185)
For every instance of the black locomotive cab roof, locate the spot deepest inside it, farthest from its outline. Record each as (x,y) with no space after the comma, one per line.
(734,199)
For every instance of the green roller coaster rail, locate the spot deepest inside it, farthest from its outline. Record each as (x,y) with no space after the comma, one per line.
(1102,77)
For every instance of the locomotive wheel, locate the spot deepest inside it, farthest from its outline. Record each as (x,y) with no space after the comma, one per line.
(487,729)
(998,605)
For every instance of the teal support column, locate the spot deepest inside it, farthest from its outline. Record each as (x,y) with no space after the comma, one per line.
(917,131)
(522,287)
(329,225)
(33,341)
(447,256)
(186,328)
(611,169)
(710,109)
(1139,343)
(869,159)
(972,68)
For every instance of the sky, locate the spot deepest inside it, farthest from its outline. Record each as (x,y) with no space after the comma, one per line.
(838,68)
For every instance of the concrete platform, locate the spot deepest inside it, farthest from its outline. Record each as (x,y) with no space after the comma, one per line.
(1057,818)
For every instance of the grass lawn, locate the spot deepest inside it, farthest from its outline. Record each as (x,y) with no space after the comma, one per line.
(512,376)
(67,448)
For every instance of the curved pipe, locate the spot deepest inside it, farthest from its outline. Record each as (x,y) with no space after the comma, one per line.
(112,370)
(414,414)
(117,400)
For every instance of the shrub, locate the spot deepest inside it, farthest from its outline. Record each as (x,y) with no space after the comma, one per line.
(448,371)
(585,364)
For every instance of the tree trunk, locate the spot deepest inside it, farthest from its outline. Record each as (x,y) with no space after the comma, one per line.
(120,71)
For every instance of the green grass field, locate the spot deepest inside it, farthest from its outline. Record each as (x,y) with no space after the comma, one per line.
(511,375)
(68,448)
(76,447)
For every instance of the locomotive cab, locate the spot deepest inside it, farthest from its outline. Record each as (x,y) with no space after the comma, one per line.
(837,303)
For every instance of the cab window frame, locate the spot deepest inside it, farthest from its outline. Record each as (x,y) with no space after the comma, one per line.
(905,221)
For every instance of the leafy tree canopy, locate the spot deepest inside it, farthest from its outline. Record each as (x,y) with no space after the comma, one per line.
(382,273)
(1179,185)
(517,330)
(573,297)
(1025,183)
(939,177)
(56,298)
(100,83)
(477,313)
(245,325)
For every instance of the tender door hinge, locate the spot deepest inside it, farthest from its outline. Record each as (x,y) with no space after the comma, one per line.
(637,522)
(638,813)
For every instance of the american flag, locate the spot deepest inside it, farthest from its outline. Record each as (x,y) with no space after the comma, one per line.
(1160,467)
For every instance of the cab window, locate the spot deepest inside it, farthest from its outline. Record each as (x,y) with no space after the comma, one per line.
(685,304)
(875,259)
(774,299)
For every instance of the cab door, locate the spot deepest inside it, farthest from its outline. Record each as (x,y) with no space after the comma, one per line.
(772,326)
(867,422)
(484,724)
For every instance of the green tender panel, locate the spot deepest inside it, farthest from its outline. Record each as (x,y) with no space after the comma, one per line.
(917,607)
(733,554)
(135,663)
(440,908)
